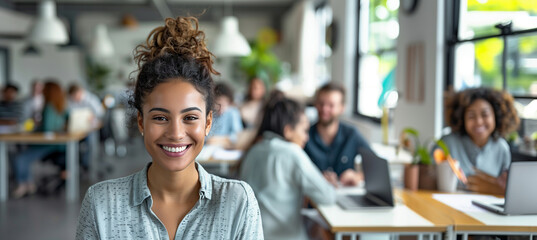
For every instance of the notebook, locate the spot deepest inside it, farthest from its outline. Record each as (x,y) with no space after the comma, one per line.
(520,191)
(377,185)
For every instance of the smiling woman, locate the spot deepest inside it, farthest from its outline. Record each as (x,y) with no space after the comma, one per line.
(479,118)
(173,195)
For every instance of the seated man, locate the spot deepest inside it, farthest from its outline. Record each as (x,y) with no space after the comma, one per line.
(333,145)
(80,98)
(11,111)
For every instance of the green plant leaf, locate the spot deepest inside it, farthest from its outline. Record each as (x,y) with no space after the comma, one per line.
(411,131)
(424,156)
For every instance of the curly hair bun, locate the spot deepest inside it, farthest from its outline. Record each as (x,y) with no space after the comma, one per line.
(178,36)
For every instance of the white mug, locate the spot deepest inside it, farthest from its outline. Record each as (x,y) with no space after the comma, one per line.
(446,178)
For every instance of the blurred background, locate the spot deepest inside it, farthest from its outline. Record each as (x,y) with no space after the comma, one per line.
(391,55)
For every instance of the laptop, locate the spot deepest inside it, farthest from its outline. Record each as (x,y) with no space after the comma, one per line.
(520,191)
(377,184)
(79,120)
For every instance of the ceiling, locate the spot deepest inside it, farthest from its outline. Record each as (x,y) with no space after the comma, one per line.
(234,2)
(147,9)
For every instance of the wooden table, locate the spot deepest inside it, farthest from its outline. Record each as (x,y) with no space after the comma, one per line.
(465,224)
(71,140)
(418,213)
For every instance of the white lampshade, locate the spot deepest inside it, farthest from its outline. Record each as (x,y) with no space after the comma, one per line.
(47,27)
(230,42)
(101,45)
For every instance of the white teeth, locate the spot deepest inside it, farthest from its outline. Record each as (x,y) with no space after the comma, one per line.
(174,149)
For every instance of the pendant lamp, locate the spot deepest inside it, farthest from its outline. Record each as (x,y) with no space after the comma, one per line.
(102,44)
(47,27)
(230,42)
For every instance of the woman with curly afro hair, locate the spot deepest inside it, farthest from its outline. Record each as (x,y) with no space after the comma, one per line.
(479,119)
(173,197)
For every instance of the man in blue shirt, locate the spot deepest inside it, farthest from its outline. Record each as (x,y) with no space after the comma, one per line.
(332,144)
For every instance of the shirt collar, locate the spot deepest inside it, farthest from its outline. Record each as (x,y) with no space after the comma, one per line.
(140,190)
(316,136)
(206,182)
(269,135)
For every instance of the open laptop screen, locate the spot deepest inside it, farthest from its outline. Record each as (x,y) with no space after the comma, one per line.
(376,176)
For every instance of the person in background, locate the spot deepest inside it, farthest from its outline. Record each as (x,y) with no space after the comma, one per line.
(333,145)
(81,98)
(55,116)
(33,105)
(11,111)
(226,120)
(253,103)
(280,172)
(173,197)
(479,119)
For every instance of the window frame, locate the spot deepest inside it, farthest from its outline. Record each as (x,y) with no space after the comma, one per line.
(452,11)
(358,57)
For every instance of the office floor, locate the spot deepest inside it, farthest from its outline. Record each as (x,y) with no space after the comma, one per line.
(51,217)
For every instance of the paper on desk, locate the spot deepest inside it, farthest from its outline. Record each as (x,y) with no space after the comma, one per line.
(206,152)
(463,202)
(227,155)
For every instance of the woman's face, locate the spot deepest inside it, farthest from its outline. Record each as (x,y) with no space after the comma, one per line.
(174,124)
(298,134)
(479,121)
(257,89)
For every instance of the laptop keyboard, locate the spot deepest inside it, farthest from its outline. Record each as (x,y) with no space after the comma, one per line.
(499,205)
(361,200)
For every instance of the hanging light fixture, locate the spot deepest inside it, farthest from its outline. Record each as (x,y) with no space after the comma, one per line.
(230,42)
(101,45)
(47,27)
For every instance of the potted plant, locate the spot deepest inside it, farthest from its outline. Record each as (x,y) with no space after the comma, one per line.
(420,173)
(262,62)
(97,75)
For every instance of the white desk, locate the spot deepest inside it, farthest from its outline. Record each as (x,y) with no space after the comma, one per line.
(69,139)
(400,220)
(216,155)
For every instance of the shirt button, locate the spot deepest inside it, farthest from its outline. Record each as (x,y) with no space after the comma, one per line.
(344,159)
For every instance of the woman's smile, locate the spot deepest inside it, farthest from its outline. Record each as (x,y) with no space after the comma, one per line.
(175,150)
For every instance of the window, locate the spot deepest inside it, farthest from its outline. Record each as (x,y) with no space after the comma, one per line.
(378,30)
(494,43)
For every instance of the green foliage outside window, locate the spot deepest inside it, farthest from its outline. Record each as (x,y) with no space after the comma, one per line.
(488,52)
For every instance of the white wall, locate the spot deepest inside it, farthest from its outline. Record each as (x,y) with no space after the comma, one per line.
(63,64)
(12,22)
(425,25)
(344,55)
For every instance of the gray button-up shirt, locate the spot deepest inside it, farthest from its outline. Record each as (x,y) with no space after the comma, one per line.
(281,174)
(121,209)
(492,159)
